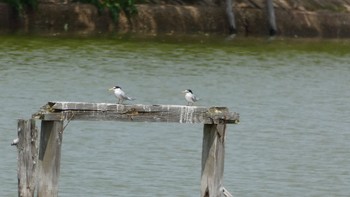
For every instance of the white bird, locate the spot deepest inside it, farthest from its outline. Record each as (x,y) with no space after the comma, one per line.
(190,97)
(120,94)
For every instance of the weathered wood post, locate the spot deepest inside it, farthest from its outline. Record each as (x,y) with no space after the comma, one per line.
(27,157)
(49,158)
(213,156)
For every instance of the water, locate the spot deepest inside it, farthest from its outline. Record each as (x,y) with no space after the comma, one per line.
(293,98)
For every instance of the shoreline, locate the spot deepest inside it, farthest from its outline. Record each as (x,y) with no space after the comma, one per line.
(154,20)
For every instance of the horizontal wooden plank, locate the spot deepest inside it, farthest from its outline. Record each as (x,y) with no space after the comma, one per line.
(61,106)
(137,113)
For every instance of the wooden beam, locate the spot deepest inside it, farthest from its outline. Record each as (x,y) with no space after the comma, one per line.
(213,156)
(49,158)
(139,113)
(27,157)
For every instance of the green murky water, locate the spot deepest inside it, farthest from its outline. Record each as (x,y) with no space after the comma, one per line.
(293,97)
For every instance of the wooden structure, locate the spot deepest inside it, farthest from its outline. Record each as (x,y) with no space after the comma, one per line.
(39,168)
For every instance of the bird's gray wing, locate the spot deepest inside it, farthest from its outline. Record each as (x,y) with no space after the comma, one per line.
(195,98)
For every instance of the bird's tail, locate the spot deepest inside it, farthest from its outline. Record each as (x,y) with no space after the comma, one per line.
(130,98)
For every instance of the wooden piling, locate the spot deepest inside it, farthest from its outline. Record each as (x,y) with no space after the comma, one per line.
(27,157)
(213,155)
(49,158)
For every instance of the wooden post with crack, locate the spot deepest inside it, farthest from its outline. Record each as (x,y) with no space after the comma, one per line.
(27,146)
(54,114)
(49,157)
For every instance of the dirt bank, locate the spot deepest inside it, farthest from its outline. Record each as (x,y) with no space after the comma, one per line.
(295,18)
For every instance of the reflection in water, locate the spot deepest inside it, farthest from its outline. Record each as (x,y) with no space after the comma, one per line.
(293,100)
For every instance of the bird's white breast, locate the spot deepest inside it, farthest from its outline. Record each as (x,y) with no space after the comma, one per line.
(119,93)
(189,97)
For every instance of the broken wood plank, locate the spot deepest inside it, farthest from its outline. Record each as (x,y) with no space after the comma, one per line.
(138,113)
(27,147)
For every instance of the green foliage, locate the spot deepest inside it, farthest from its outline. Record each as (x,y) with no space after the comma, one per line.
(114,7)
(20,6)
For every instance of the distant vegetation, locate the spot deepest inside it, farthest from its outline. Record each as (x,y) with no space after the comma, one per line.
(21,6)
(115,7)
